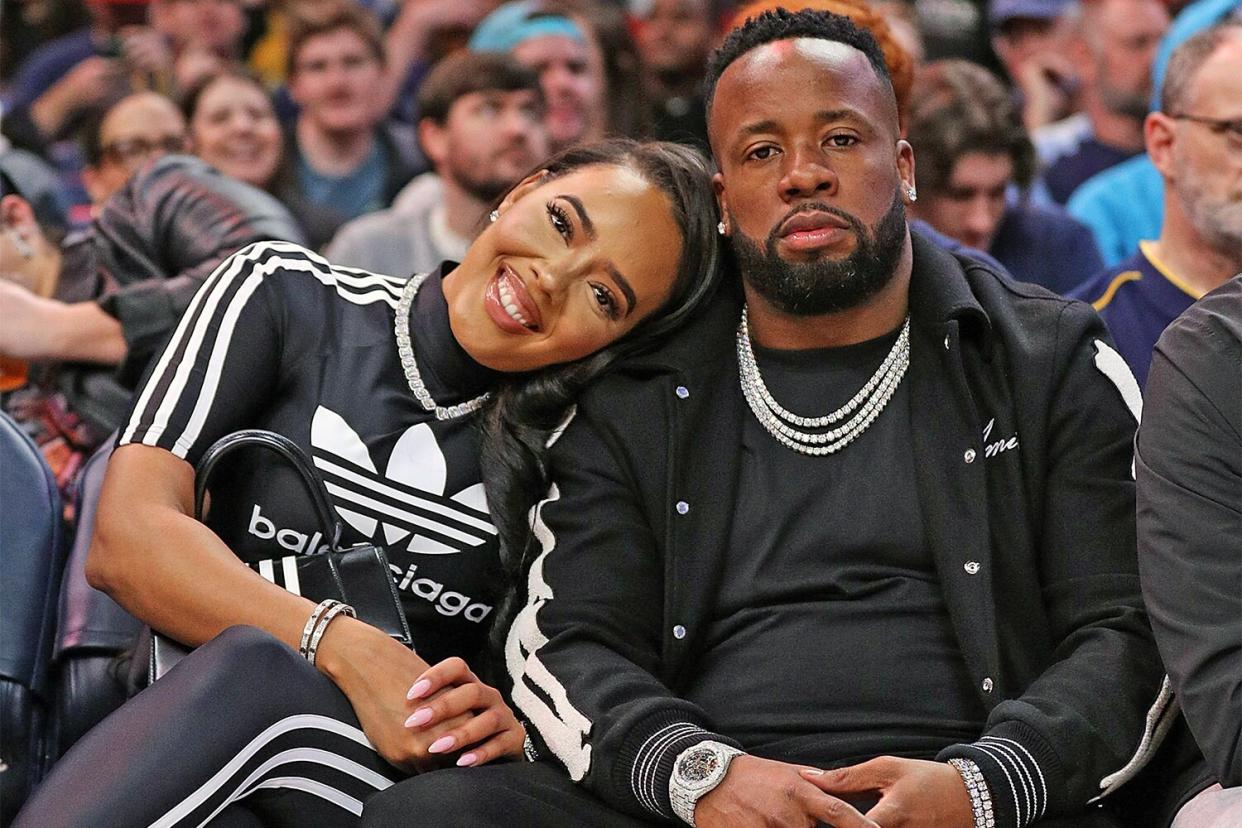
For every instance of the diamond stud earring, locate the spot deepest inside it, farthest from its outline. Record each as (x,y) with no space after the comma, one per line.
(493,215)
(721,229)
(912,194)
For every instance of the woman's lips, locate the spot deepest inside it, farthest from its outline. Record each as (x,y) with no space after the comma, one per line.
(509,305)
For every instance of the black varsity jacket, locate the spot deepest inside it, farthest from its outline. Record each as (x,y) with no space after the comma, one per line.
(1023,421)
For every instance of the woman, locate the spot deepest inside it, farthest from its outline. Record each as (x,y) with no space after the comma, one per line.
(233,127)
(608,241)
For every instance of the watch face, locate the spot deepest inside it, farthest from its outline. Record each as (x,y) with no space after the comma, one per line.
(698,765)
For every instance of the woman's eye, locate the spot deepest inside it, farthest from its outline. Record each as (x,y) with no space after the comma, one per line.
(560,221)
(603,296)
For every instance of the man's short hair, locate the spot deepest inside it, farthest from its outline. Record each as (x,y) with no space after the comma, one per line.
(780,24)
(960,107)
(346,15)
(1186,60)
(465,72)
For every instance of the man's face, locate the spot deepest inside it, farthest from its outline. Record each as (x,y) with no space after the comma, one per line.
(136,130)
(1204,164)
(972,204)
(1022,40)
(810,183)
(489,140)
(573,91)
(676,37)
(1123,37)
(334,81)
(214,25)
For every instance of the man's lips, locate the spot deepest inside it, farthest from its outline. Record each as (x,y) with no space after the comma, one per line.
(813,230)
(509,305)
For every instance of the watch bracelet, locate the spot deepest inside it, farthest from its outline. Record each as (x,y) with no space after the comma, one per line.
(980,793)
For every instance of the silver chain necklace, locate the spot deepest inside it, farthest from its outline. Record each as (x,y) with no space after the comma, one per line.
(855,416)
(415,380)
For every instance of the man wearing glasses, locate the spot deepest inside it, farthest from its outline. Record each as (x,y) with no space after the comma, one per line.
(138,128)
(1195,142)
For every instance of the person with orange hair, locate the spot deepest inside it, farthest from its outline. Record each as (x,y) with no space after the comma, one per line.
(897,57)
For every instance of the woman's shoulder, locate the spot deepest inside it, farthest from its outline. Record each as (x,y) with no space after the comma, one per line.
(293,273)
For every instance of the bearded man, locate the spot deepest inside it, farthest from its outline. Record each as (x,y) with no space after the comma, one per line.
(915,602)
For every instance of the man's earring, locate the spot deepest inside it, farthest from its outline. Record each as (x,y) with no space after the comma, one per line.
(493,215)
(912,194)
(721,229)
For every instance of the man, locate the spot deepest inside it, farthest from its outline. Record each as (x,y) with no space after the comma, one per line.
(1113,47)
(1195,141)
(1190,532)
(346,160)
(973,151)
(558,50)
(482,129)
(942,570)
(674,38)
(1027,38)
(139,128)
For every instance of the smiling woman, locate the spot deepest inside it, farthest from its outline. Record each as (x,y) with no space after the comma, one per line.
(233,127)
(383,381)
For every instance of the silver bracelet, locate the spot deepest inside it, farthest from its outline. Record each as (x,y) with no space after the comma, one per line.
(337,608)
(980,794)
(311,623)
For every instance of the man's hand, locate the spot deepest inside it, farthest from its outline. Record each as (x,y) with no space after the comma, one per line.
(88,83)
(762,792)
(492,730)
(914,793)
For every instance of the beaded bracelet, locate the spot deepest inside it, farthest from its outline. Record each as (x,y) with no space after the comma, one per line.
(335,608)
(980,795)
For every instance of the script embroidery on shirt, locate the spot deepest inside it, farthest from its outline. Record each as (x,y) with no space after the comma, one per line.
(995,448)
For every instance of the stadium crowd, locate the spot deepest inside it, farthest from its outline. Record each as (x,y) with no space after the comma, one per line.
(485,263)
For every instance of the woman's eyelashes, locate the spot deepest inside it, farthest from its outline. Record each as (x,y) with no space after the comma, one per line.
(606,301)
(560,221)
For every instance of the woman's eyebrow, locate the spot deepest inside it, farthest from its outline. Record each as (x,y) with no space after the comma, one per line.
(588,226)
(623,285)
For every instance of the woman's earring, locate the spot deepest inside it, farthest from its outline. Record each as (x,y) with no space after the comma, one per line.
(912,194)
(493,215)
(721,229)
(19,242)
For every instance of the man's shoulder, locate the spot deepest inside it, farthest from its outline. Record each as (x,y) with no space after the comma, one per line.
(1102,289)
(1206,340)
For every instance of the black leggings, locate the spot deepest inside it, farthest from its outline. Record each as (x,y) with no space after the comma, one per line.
(243,732)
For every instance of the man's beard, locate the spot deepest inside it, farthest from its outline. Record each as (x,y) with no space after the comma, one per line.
(482,188)
(825,286)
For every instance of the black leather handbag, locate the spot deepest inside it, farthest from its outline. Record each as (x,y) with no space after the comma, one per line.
(358,576)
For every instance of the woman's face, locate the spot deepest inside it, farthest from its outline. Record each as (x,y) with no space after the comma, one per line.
(235,130)
(572,264)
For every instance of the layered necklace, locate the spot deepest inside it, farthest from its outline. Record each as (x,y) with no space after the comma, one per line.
(406,351)
(854,417)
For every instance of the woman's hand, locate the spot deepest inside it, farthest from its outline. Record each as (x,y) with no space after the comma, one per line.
(374,672)
(451,690)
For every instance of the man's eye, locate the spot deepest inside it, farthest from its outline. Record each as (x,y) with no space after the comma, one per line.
(560,221)
(842,140)
(604,297)
(761,153)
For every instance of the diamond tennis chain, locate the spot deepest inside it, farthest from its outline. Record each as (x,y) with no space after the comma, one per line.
(855,416)
(401,327)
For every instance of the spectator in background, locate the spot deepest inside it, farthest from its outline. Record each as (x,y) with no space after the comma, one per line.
(128,46)
(482,129)
(1030,45)
(233,127)
(897,57)
(1123,205)
(1195,141)
(674,39)
(558,50)
(140,127)
(1113,46)
(88,314)
(972,148)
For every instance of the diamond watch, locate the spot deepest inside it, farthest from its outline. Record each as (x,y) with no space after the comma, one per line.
(696,772)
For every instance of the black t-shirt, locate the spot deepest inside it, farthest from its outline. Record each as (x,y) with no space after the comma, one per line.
(279,339)
(831,640)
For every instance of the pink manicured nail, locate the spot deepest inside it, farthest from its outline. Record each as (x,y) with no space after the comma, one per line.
(419,717)
(419,689)
(812,771)
(467,759)
(441,745)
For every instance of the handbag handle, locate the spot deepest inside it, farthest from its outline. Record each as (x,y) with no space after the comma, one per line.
(329,524)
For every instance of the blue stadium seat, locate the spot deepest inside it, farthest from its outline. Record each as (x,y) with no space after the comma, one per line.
(32,553)
(94,634)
